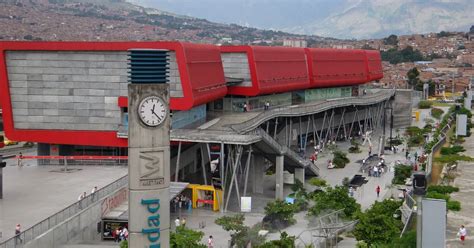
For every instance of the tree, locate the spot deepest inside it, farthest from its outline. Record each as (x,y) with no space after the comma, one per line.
(367,47)
(241,235)
(285,241)
(377,225)
(279,214)
(471,30)
(413,75)
(391,40)
(334,199)
(184,237)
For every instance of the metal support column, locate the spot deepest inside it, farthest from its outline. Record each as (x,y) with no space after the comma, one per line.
(221,160)
(176,173)
(203,165)
(247,168)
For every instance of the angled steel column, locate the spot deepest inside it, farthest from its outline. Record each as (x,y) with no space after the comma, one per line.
(322,128)
(300,135)
(306,135)
(176,173)
(353,121)
(340,122)
(315,133)
(203,165)
(221,160)
(234,164)
(276,126)
(247,168)
(268,126)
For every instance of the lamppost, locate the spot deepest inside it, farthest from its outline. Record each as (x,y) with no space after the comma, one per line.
(391,125)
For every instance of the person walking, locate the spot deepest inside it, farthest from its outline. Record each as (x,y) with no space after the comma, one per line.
(183,222)
(378,191)
(20,160)
(462,234)
(17,234)
(267,105)
(80,198)
(177,222)
(93,192)
(244,107)
(210,242)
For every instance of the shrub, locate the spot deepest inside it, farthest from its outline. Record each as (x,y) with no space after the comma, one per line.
(124,244)
(452,150)
(437,113)
(185,237)
(279,214)
(425,104)
(454,205)
(436,195)
(442,189)
(317,182)
(340,159)
(402,172)
(355,147)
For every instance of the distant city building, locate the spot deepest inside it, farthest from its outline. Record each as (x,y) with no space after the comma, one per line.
(295,43)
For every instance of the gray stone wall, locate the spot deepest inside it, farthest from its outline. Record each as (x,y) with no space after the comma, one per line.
(236,65)
(71,90)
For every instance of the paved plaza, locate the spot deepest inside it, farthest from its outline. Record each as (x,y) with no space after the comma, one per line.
(33,193)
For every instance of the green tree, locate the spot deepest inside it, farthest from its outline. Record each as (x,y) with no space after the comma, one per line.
(377,225)
(391,40)
(279,214)
(241,235)
(334,199)
(285,241)
(184,237)
(413,75)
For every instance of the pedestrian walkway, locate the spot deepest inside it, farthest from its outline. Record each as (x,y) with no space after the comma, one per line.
(33,193)
(465,182)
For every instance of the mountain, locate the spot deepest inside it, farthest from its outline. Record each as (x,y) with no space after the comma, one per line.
(332,18)
(107,20)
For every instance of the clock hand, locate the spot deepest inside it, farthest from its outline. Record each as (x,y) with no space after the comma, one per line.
(153,109)
(157,116)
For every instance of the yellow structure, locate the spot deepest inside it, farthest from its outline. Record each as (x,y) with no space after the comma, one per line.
(199,197)
(417,115)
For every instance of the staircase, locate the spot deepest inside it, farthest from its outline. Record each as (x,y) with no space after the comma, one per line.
(297,160)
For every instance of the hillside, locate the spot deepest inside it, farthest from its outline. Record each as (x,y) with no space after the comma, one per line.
(380,18)
(332,18)
(117,20)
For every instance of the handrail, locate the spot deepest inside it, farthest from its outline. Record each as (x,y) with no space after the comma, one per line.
(284,150)
(71,210)
(308,109)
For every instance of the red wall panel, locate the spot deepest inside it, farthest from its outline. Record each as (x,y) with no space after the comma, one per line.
(273,69)
(336,67)
(200,69)
(374,62)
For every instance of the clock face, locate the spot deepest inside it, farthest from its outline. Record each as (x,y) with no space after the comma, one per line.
(152,111)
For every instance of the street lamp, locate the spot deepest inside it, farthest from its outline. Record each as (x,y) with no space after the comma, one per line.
(391,125)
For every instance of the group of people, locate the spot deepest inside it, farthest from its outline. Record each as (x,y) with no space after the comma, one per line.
(314,156)
(246,106)
(181,202)
(377,170)
(120,234)
(84,194)
(180,222)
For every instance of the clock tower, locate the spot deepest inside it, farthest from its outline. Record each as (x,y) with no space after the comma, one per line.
(148,150)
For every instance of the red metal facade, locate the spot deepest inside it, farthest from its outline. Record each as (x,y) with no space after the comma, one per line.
(374,64)
(200,68)
(272,69)
(336,67)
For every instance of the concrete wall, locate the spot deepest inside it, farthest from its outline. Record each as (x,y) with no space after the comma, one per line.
(236,65)
(79,228)
(71,90)
(402,108)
